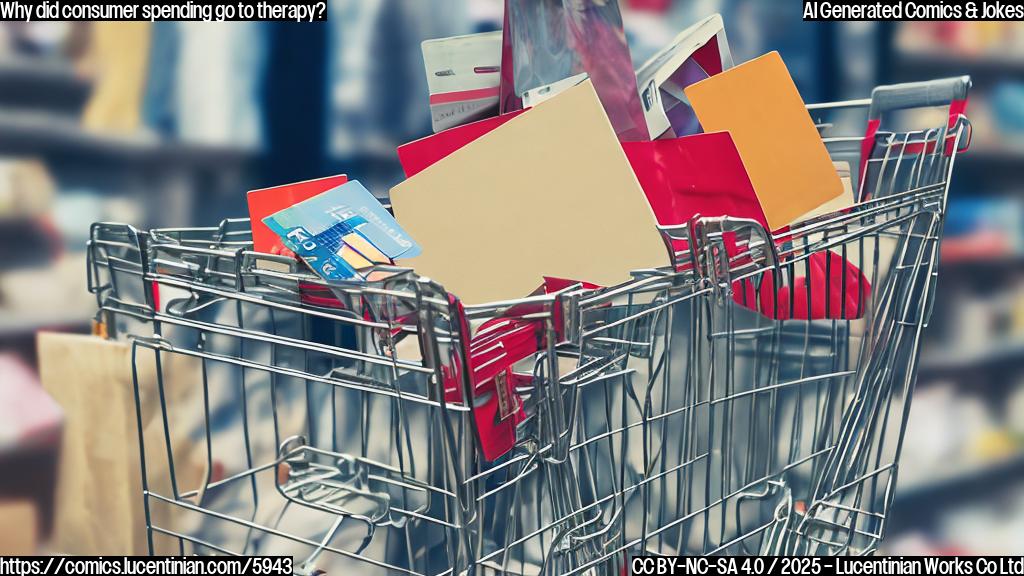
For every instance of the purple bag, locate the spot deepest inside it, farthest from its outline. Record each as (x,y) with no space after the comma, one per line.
(551,40)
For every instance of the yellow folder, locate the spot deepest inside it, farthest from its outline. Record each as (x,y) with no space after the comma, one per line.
(549,193)
(758,103)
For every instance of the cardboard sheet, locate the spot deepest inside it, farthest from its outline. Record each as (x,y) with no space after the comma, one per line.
(758,103)
(548,193)
(682,177)
(463,74)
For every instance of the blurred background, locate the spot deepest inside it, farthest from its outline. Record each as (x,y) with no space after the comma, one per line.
(168,124)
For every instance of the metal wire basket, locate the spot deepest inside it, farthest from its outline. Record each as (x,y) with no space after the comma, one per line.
(749,399)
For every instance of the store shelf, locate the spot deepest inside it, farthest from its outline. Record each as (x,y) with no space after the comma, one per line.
(19,325)
(988,264)
(981,261)
(942,363)
(959,485)
(930,65)
(992,155)
(43,134)
(38,83)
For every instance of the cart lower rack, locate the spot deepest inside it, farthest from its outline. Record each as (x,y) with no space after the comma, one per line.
(749,399)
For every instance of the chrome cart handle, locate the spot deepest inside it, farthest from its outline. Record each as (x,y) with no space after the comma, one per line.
(707,231)
(917,94)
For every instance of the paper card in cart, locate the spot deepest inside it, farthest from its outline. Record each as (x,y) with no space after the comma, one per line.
(548,193)
(695,175)
(463,73)
(841,202)
(758,103)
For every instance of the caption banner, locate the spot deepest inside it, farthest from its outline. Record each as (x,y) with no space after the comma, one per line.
(153,11)
(844,10)
(814,566)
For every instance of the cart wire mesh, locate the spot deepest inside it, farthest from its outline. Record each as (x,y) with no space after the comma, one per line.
(750,398)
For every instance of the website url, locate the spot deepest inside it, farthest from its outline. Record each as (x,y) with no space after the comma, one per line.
(144,565)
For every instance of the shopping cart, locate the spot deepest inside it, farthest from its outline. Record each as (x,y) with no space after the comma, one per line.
(751,398)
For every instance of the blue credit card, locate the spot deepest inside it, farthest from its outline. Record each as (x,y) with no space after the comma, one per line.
(342,231)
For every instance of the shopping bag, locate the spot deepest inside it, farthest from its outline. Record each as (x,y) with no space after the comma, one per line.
(463,76)
(551,40)
(419,155)
(99,489)
(829,287)
(496,407)
(697,175)
(18,528)
(698,52)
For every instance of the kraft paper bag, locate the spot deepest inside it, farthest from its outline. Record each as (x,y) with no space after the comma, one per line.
(18,528)
(99,507)
(548,193)
(760,106)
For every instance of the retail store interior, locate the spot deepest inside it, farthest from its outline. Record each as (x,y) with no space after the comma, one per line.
(168,124)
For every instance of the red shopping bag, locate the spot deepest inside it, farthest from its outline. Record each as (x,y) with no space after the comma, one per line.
(834,289)
(698,175)
(418,155)
(496,347)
